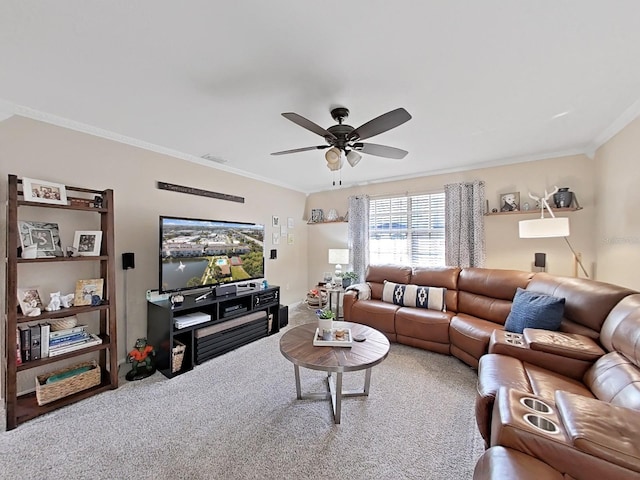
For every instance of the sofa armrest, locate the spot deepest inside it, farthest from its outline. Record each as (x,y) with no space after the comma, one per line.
(570,345)
(516,345)
(601,429)
(350,297)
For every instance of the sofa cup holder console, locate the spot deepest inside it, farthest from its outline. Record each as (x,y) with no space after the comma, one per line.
(514,338)
(536,405)
(541,423)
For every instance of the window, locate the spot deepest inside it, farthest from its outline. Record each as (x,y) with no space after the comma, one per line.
(407,230)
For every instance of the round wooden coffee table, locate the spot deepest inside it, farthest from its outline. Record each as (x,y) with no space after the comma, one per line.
(297,346)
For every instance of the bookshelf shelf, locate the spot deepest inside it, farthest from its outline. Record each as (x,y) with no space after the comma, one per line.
(20,408)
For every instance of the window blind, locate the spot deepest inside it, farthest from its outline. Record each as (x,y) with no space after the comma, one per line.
(407,230)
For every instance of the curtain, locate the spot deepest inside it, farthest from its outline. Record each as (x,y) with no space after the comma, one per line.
(464,220)
(359,234)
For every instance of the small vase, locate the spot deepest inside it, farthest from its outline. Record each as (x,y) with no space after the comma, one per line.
(325,324)
(563,198)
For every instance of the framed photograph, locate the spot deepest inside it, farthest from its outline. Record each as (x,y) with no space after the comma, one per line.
(87,243)
(283,229)
(275,238)
(290,239)
(275,221)
(30,300)
(317,215)
(44,236)
(510,202)
(290,223)
(43,192)
(89,292)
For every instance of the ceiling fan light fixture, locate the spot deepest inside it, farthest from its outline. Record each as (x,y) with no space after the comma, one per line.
(333,156)
(336,166)
(353,158)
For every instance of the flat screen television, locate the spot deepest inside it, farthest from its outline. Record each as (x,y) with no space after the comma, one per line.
(198,253)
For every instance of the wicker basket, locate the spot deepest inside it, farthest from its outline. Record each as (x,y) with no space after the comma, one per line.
(63,323)
(177,355)
(50,392)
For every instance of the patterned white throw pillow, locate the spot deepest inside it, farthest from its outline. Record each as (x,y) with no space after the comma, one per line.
(418,296)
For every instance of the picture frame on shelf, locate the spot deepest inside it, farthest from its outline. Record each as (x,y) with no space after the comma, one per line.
(87,243)
(30,300)
(317,215)
(42,191)
(89,292)
(44,235)
(510,202)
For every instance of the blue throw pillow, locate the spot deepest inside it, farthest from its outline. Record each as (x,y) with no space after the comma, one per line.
(534,310)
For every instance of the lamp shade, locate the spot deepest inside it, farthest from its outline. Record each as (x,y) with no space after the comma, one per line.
(544,228)
(336,166)
(353,158)
(332,156)
(339,256)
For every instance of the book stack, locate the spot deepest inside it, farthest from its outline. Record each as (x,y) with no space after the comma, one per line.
(70,339)
(38,341)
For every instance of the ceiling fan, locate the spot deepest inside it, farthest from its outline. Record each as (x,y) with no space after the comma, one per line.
(344,138)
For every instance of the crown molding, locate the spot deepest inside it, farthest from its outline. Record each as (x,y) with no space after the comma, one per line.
(628,116)
(6,110)
(45,117)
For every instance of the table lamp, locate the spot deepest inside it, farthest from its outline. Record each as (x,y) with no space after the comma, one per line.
(338,257)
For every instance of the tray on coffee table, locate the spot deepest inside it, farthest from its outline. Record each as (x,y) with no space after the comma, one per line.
(334,341)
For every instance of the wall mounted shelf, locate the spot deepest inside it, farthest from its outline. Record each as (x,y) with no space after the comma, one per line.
(534,211)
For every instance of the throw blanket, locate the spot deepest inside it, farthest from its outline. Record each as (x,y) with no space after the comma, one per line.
(363,289)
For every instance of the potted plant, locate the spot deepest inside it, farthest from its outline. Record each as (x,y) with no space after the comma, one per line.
(348,278)
(325,320)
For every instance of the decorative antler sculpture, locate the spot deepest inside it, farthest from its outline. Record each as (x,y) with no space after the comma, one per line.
(544,201)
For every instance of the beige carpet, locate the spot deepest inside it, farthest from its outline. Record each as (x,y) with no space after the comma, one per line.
(236,417)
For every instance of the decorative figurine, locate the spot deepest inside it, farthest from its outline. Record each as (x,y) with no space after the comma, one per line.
(67,300)
(141,359)
(55,302)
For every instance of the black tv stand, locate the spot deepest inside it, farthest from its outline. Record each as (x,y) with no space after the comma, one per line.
(224,323)
(203,296)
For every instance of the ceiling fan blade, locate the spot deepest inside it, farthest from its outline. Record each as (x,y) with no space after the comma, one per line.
(380,124)
(308,124)
(304,149)
(380,150)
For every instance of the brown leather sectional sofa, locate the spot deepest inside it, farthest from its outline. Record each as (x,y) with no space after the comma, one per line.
(560,404)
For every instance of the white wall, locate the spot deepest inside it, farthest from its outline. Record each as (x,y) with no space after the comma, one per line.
(504,248)
(617,230)
(29,148)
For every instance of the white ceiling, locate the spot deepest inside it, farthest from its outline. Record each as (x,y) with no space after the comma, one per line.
(487,82)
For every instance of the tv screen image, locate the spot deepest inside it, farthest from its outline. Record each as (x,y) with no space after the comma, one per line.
(197,253)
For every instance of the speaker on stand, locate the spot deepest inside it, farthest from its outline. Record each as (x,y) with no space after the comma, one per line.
(128,263)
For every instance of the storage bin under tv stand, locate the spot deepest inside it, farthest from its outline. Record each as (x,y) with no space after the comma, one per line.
(226,313)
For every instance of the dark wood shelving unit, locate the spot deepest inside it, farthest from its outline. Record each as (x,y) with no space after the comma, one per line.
(21,408)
